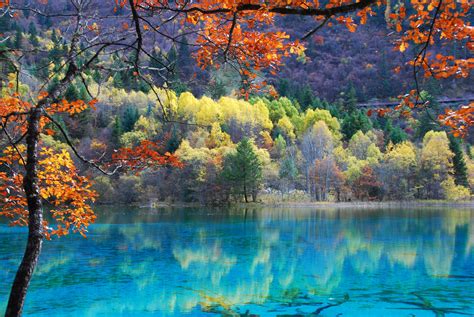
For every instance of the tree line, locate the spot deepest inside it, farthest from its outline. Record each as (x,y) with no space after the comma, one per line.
(268,149)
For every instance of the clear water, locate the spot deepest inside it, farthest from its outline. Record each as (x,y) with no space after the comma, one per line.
(270,262)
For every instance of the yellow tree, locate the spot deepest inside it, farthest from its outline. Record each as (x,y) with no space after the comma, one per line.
(399,167)
(436,163)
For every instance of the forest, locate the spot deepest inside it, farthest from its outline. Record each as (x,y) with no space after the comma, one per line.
(295,144)
(234,150)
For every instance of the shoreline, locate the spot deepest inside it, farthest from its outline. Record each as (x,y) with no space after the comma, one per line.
(374,204)
(314,205)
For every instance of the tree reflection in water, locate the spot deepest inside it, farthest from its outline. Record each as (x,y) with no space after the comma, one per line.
(261,262)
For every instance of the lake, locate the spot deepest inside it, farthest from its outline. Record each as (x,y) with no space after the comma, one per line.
(267,262)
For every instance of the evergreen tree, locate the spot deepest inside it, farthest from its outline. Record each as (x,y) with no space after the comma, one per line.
(72,93)
(18,44)
(184,60)
(175,83)
(96,76)
(243,169)
(469,150)
(54,37)
(117,80)
(158,63)
(56,52)
(58,135)
(33,34)
(426,123)
(53,84)
(130,116)
(288,171)
(172,58)
(34,40)
(173,142)
(32,29)
(280,145)
(459,164)
(393,134)
(348,100)
(41,70)
(353,122)
(397,135)
(283,87)
(216,89)
(305,97)
(117,130)
(427,120)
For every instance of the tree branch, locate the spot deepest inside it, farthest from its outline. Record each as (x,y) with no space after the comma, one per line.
(287,10)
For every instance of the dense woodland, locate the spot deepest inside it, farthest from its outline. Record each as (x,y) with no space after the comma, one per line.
(233,149)
(307,144)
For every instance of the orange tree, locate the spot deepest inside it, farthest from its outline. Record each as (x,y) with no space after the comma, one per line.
(242,34)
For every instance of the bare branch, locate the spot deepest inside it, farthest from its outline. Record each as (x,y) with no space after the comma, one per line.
(76,152)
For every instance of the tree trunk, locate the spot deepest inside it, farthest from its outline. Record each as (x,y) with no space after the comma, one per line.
(245,193)
(35,218)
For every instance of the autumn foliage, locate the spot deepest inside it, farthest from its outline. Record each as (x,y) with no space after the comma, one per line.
(67,194)
(242,33)
(147,154)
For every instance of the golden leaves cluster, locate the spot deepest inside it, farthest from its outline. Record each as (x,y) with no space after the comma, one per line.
(66,194)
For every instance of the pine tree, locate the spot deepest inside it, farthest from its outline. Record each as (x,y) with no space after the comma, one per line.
(172,57)
(243,170)
(394,134)
(56,52)
(130,116)
(117,80)
(96,76)
(18,44)
(397,135)
(305,97)
(216,89)
(353,122)
(175,83)
(173,142)
(33,34)
(427,120)
(72,94)
(288,172)
(459,164)
(117,130)
(426,123)
(32,29)
(348,100)
(469,150)
(184,60)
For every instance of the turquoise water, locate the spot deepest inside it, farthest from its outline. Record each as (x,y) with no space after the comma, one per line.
(270,262)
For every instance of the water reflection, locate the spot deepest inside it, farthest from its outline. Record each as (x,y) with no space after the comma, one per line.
(262,262)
